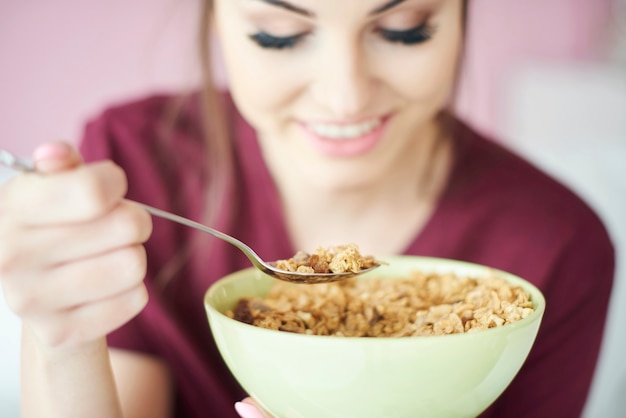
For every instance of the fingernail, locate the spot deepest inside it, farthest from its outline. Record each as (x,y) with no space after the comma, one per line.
(51,151)
(245,410)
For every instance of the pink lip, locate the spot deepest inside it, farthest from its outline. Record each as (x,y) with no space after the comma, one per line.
(347,147)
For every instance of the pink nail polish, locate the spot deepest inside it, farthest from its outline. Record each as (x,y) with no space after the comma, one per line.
(52,150)
(245,410)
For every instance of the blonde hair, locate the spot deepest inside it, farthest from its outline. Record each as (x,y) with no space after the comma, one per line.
(218,162)
(215,127)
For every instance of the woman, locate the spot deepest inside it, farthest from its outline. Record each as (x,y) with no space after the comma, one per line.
(336,130)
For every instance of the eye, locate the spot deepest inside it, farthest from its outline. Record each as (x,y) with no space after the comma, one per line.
(416,35)
(265,40)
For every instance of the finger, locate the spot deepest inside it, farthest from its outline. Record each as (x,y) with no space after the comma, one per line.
(90,321)
(78,283)
(100,278)
(80,194)
(35,250)
(248,408)
(56,156)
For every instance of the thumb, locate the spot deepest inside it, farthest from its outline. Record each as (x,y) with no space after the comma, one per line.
(56,156)
(248,409)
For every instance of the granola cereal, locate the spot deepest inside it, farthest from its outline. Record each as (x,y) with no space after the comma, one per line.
(416,305)
(338,259)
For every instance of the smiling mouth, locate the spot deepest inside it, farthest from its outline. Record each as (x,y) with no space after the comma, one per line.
(340,132)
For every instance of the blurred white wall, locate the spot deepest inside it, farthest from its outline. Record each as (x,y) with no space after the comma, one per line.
(62,61)
(568,115)
(9,364)
(571,120)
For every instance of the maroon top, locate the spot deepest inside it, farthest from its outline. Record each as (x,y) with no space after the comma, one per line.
(497,210)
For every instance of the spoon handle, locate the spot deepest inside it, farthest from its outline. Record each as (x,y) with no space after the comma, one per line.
(11,161)
(192,224)
(16,163)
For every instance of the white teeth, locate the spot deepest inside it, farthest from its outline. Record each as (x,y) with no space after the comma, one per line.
(344,131)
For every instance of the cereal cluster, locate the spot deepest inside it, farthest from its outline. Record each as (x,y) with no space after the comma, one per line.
(417,305)
(339,259)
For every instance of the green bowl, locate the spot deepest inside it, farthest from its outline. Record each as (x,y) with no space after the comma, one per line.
(305,376)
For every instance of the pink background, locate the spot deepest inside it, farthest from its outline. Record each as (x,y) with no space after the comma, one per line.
(64,60)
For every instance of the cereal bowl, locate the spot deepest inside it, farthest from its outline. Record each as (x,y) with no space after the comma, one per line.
(310,376)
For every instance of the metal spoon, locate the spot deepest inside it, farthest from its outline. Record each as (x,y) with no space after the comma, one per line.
(9,160)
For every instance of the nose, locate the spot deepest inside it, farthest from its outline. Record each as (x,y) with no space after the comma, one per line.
(343,82)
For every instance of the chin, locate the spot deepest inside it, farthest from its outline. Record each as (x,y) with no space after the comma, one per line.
(337,176)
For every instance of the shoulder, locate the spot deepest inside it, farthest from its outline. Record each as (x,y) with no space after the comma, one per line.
(138,125)
(141,109)
(169,124)
(157,140)
(530,220)
(496,179)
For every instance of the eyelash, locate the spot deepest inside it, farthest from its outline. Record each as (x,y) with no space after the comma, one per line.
(416,35)
(265,40)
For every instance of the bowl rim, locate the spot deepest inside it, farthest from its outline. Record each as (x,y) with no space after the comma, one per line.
(537,297)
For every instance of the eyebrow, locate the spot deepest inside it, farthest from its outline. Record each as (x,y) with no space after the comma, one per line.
(289,6)
(386,6)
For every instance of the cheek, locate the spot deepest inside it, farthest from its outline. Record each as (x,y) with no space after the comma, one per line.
(261,82)
(427,76)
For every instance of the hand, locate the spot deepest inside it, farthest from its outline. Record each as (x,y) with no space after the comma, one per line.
(71,257)
(247,408)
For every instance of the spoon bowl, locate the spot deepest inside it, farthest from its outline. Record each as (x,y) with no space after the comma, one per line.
(9,160)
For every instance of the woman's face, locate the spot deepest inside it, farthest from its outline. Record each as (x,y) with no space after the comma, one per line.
(340,91)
